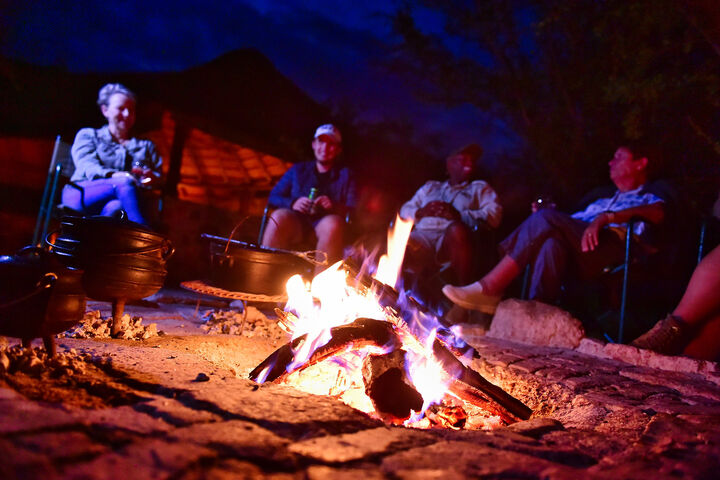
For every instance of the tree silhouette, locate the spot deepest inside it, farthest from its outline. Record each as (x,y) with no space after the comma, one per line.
(574,79)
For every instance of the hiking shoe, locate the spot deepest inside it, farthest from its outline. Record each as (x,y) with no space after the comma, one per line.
(669,336)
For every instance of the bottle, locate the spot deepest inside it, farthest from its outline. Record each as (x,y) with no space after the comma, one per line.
(311,196)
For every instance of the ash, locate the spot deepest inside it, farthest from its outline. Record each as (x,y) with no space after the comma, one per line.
(35,362)
(230,322)
(94,326)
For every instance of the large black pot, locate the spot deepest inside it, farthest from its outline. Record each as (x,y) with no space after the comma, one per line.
(122,260)
(248,268)
(80,240)
(99,235)
(39,297)
(110,282)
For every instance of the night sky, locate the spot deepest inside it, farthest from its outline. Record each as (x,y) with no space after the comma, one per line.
(331,50)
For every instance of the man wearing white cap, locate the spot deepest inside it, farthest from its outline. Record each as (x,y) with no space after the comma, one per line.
(313,199)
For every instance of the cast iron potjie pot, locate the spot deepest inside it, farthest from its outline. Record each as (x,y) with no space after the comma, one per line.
(99,235)
(248,268)
(122,260)
(39,297)
(110,278)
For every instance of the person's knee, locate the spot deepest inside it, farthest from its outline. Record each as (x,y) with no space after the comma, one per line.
(283,225)
(457,233)
(550,247)
(547,215)
(281,216)
(330,227)
(124,182)
(111,208)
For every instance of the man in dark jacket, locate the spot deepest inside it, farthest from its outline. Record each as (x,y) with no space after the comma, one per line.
(313,199)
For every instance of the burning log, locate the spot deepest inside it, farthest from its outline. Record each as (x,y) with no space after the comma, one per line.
(472,387)
(388,297)
(361,333)
(391,392)
(469,385)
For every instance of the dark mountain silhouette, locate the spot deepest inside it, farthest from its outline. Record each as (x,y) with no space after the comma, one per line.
(239,96)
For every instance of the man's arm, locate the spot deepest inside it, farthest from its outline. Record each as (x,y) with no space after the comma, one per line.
(484,207)
(407,211)
(281,194)
(653,213)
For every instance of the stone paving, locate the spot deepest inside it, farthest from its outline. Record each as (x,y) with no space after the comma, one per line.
(594,418)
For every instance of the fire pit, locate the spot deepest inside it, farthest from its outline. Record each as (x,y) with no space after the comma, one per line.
(387,343)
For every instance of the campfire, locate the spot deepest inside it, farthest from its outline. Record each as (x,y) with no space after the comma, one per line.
(357,338)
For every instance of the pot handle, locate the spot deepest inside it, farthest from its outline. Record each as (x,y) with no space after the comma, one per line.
(316,257)
(46,281)
(48,238)
(234,230)
(168,249)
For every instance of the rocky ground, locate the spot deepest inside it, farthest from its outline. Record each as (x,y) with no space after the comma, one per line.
(173,401)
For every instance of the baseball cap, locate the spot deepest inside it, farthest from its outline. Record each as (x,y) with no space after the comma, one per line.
(473,150)
(330,130)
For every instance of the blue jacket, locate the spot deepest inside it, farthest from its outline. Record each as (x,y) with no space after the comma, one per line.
(301,177)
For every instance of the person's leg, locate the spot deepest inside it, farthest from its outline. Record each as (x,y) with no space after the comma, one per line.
(90,198)
(702,298)
(111,208)
(329,231)
(457,247)
(524,244)
(95,194)
(548,271)
(420,252)
(126,190)
(284,229)
(694,322)
(706,344)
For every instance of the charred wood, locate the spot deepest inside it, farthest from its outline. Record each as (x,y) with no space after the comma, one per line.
(361,333)
(386,384)
(468,385)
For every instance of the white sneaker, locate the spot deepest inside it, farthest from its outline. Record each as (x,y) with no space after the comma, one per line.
(472,299)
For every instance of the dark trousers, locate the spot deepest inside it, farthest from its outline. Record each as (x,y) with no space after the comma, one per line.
(550,241)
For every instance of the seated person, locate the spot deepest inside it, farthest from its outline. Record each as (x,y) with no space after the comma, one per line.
(446,212)
(313,199)
(110,164)
(693,328)
(590,238)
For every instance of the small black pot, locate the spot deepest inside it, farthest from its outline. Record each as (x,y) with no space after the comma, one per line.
(39,297)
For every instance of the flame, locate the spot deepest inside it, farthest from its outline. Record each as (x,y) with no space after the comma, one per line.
(390,264)
(427,374)
(332,299)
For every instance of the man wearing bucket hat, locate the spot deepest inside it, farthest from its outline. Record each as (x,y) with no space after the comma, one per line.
(313,199)
(445,214)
